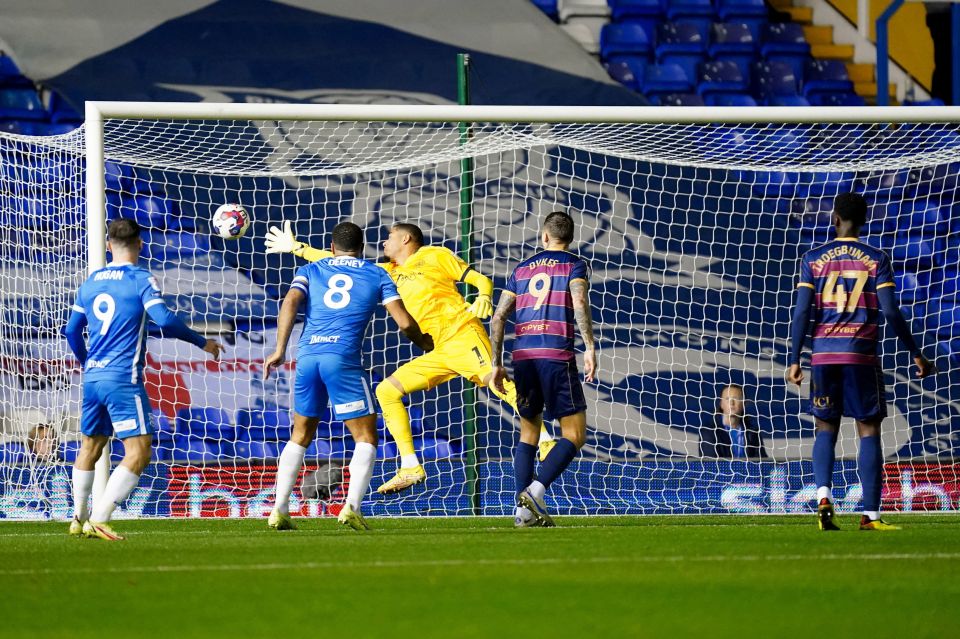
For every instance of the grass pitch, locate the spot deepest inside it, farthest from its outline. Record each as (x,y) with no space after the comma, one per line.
(720,576)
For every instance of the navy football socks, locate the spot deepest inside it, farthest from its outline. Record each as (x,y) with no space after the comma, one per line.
(870,469)
(556,462)
(523,460)
(824,451)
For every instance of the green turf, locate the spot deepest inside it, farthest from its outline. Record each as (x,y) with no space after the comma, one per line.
(411,578)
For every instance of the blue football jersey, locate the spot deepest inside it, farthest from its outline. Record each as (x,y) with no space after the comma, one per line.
(342,295)
(114,300)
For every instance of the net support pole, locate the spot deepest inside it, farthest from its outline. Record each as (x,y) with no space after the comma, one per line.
(466,253)
(96,240)
(883,52)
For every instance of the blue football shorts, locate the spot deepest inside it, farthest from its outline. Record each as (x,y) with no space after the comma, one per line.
(116,408)
(340,381)
(548,386)
(848,390)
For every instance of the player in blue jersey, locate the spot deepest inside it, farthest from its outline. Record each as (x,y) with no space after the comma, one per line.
(549,293)
(342,293)
(845,285)
(114,304)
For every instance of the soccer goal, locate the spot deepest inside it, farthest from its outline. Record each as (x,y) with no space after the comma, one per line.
(693,220)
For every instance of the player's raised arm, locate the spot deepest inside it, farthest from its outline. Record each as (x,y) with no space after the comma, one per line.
(581,311)
(281,240)
(408,326)
(288,315)
(482,307)
(508,302)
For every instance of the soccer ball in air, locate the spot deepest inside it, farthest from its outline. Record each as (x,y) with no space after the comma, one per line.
(230,221)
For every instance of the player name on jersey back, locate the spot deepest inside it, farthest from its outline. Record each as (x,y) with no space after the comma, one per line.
(343,293)
(845,275)
(544,313)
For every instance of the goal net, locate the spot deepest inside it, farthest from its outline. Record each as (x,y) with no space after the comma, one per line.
(693,231)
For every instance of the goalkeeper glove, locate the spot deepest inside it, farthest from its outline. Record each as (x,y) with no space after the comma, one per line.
(281,240)
(482,307)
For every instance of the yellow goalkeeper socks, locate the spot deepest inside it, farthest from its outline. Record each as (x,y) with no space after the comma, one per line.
(396,417)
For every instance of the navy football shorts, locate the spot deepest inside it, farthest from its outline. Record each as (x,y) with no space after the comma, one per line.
(848,390)
(548,383)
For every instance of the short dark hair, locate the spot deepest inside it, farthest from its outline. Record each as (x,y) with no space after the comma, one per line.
(124,232)
(559,226)
(412,229)
(851,207)
(348,237)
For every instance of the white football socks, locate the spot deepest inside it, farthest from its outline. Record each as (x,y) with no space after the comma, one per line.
(288,469)
(825,492)
(409,461)
(121,483)
(872,514)
(82,487)
(361,469)
(537,489)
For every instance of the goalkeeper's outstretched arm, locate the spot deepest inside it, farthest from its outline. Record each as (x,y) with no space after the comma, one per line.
(282,241)
(482,307)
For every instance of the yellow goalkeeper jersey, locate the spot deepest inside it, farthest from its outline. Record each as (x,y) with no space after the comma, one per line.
(427,284)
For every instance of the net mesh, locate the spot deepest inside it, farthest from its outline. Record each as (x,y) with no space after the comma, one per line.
(693,232)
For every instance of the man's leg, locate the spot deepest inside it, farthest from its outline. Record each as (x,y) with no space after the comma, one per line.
(83,473)
(870,469)
(124,478)
(364,432)
(524,459)
(288,469)
(824,457)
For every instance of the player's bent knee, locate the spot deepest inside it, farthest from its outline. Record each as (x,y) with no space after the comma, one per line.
(388,393)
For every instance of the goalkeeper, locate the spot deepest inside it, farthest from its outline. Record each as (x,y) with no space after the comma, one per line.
(426,278)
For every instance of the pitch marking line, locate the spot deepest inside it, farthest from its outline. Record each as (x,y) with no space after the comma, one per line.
(444,563)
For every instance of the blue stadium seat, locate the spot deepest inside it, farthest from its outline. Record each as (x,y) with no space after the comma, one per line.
(387,449)
(68,451)
(628,73)
(257,450)
(824,184)
(164,428)
(951,348)
(774,79)
(787,100)
(770,183)
(935,180)
(263,425)
(826,76)
(752,13)
(207,423)
(681,44)
(915,253)
(21,104)
(734,43)
(149,212)
(319,448)
(785,42)
(619,40)
(930,102)
(52,128)
(681,99)
(175,245)
(944,320)
(884,186)
(698,12)
(62,112)
(721,77)
(116,176)
(194,450)
(730,100)
(665,78)
(649,11)
(836,99)
(431,448)
(14,454)
(549,7)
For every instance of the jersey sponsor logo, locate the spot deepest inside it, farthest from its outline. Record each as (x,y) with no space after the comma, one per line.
(349,407)
(112,274)
(98,363)
(403,278)
(324,339)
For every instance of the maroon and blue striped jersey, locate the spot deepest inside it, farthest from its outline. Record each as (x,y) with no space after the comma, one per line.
(845,275)
(544,322)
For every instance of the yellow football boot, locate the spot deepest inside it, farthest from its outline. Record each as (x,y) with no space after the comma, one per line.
(350,517)
(875,524)
(279,521)
(101,530)
(76,528)
(405,478)
(825,515)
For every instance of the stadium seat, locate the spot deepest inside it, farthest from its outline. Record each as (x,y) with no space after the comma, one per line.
(585,35)
(263,425)
(149,212)
(681,99)
(930,102)
(51,128)
(735,43)
(164,428)
(62,112)
(68,451)
(116,176)
(698,12)
(209,423)
(257,450)
(915,253)
(21,104)
(637,11)
(824,184)
(774,79)
(770,183)
(387,449)
(935,180)
(549,7)
(752,13)
(884,186)
(14,454)
(787,100)
(721,77)
(618,40)
(785,42)
(730,100)
(319,448)
(567,9)
(194,450)
(431,448)
(683,45)
(623,72)
(836,99)
(826,76)
(666,78)
(175,245)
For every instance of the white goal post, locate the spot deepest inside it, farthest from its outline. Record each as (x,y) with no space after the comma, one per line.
(693,220)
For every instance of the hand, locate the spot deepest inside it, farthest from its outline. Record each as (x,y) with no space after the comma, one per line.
(482,307)
(273,362)
(795,374)
(924,365)
(497,377)
(214,348)
(426,342)
(589,365)
(281,240)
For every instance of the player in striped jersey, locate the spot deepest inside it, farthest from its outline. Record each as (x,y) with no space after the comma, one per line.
(549,293)
(845,285)
(114,304)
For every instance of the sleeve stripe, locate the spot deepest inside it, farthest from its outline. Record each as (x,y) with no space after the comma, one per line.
(300,278)
(299,286)
(885,284)
(79,309)
(466,272)
(807,284)
(391,299)
(152,303)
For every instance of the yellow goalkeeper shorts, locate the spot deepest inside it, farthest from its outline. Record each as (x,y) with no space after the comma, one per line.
(466,354)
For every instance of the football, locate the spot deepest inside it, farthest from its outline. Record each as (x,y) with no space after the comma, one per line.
(230,221)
